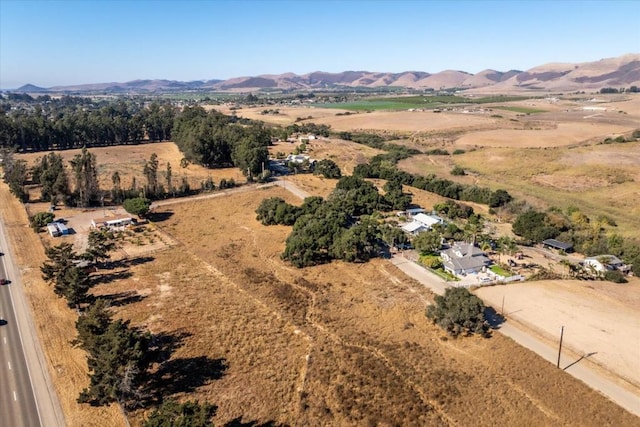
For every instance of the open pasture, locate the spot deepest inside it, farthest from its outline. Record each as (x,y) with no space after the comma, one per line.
(338,344)
(599,179)
(542,135)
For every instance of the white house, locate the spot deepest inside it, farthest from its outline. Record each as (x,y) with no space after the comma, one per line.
(414,227)
(421,222)
(464,258)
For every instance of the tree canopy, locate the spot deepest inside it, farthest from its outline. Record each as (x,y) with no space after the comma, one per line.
(188,414)
(458,311)
(137,206)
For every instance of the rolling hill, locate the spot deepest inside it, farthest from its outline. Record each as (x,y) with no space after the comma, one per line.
(622,71)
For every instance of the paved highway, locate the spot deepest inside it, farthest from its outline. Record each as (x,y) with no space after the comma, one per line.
(23,368)
(17,402)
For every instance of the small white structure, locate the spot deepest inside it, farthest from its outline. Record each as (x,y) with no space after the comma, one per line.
(428,220)
(298,158)
(53,230)
(603,263)
(414,227)
(421,222)
(113,223)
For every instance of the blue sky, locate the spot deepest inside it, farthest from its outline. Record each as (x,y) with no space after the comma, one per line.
(50,43)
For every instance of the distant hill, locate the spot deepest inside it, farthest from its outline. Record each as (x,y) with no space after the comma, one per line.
(30,88)
(623,71)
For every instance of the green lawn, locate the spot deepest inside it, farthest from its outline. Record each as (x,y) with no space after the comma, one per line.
(499,270)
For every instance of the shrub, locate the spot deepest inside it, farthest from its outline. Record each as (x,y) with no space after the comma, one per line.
(458,171)
(458,311)
(327,168)
(614,276)
(40,220)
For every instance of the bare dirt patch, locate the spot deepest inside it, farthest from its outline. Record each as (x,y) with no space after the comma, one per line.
(599,317)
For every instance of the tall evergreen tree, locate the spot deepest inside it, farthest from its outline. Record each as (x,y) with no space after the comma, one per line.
(85,173)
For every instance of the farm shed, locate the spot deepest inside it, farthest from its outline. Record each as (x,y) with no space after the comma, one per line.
(558,245)
(62,228)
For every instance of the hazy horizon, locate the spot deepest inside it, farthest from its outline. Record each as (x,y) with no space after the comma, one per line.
(61,43)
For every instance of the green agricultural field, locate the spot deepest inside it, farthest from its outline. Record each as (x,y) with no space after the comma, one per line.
(523,110)
(420,101)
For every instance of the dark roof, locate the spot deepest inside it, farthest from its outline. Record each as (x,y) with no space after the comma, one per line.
(557,244)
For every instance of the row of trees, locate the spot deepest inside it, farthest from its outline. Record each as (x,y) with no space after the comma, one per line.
(57,127)
(67,270)
(119,356)
(78,185)
(116,353)
(383,166)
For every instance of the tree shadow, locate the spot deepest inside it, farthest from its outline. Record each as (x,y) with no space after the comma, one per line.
(183,375)
(493,318)
(159,216)
(180,375)
(237,422)
(127,262)
(163,345)
(122,298)
(99,279)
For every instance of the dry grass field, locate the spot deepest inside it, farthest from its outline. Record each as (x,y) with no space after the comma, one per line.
(601,179)
(563,134)
(129,161)
(338,344)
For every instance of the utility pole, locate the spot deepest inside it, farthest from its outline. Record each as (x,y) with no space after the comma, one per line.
(560,347)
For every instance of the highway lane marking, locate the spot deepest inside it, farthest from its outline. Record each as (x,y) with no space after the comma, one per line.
(5,339)
(15,397)
(9,365)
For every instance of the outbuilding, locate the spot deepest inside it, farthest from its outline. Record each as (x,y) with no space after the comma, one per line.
(557,245)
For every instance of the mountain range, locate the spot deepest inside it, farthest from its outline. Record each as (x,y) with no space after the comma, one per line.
(622,71)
